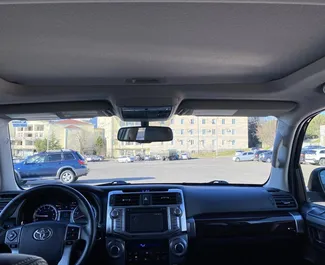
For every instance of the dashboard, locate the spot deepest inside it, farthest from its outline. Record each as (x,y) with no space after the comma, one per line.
(53,209)
(176,224)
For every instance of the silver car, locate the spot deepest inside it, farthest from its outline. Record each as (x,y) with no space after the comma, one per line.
(245,156)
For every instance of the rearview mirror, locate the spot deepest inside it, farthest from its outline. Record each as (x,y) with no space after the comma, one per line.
(145,134)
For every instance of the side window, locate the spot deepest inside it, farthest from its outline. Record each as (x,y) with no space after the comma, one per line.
(244,154)
(54,157)
(312,156)
(68,156)
(36,159)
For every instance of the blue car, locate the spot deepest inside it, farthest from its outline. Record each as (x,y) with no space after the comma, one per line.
(66,165)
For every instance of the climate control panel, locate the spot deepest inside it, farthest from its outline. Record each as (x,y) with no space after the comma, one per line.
(146,228)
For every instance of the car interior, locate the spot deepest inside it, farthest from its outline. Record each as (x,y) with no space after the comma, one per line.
(146,61)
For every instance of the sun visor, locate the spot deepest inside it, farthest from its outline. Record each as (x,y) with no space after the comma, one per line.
(58,110)
(234,107)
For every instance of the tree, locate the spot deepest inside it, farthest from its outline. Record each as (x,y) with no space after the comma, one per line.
(99,144)
(54,143)
(313,130)
(253,140)
(40,145)
(266,132)
(82,141)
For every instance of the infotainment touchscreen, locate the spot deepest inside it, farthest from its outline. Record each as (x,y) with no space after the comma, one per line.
(146,220)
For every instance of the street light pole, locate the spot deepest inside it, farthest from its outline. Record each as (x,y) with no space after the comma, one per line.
(48,137)
(216,136)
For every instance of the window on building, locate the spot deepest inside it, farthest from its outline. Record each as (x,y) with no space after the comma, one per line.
(203,121)
(30,128)
(182,121)
(54,157)
(203,131)
(181,142)
(190,132)
(182,131)
(20,129)
(40,134)
(214,121)
(233,131)
(202,142)
(233,121)
(213,142)
(39,128)
(213,131)
(162,122)
(233,142)
(28,135)
(29,143)
(192,121)
(192,142)
(20,135)
(172,121)
(223,131)
(36,135)
(223,121)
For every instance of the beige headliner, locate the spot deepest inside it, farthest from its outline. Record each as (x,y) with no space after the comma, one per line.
(55,51)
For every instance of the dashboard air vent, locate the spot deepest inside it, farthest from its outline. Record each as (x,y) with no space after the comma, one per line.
(166,198)
(125,199)
(284,201)
(5,199)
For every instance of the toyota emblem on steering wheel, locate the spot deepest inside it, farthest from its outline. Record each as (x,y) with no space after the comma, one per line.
(42,234)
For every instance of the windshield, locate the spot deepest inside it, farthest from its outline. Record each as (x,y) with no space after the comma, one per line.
(86,151)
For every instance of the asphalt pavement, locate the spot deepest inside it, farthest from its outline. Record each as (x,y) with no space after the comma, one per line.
(194,170)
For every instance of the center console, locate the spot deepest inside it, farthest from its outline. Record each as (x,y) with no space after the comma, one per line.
(146,227)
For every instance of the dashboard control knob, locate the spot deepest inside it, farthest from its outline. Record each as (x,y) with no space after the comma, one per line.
(115,213)
(115,249)
(179,248)
(177,211)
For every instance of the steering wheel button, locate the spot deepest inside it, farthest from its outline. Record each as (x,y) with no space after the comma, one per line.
(12,236)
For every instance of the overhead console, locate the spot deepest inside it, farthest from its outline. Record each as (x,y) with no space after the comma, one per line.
(146,227)
(145,113)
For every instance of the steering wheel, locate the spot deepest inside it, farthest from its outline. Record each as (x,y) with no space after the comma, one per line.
(50,240)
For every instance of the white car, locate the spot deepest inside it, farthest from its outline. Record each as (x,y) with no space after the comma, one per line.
(315,157)
(125,159)
(185,156)
(245,156)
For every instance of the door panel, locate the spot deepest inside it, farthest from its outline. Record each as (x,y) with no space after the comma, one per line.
(53,164)
(315,230)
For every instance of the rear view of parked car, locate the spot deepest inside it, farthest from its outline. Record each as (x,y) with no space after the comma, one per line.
(266,157)
(66,165)
(245,156)
(315,157)
(258,153)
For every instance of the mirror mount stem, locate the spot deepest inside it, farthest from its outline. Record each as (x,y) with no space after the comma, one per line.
(144,124)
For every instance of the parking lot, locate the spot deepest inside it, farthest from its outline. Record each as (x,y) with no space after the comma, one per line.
(194,170)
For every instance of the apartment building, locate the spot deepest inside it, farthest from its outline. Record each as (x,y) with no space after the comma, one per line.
(191,134)
(71,134)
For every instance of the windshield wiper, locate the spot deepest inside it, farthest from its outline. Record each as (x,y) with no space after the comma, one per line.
(218,182)
(115,182)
